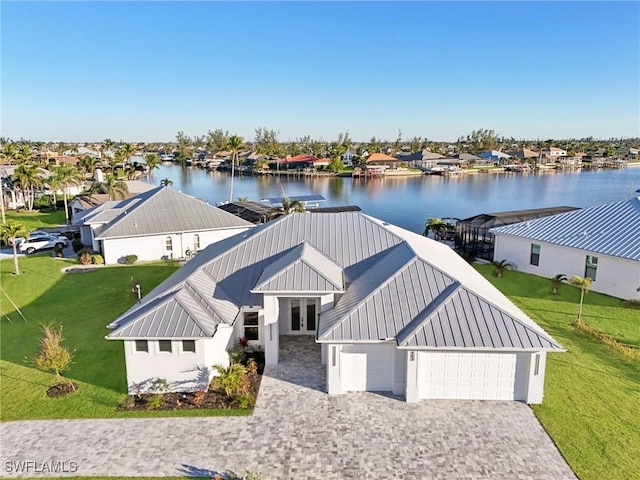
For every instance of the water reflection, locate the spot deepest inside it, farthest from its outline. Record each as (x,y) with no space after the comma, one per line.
(409,201)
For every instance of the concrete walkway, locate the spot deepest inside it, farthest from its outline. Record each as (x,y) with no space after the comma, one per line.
(299,432)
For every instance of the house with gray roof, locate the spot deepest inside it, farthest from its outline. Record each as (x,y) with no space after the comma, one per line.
(393,311)
(160,223)
(601,242)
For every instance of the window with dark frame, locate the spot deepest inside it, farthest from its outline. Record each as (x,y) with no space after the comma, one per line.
(251,330)
(168,244)
(164,346)
(142,346)
(534,259)
(189,346)
(590,267)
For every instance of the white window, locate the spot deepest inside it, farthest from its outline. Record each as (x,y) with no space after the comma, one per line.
(251,329)
(189,346)
(142,346)
(196,242)
(168,244)
(164,346)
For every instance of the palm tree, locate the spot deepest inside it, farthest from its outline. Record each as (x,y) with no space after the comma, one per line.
(127,151)
(65,176)
(10,152)
(88,164)
(24,153)
(233,145)
(557,281)
(114,187)
(500,266)
(437,226)
(288,206)
(10,232)
(165,182)
(28,175)
(153,161)
(583,283)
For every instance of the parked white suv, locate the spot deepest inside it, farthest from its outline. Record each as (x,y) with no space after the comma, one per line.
(40,242)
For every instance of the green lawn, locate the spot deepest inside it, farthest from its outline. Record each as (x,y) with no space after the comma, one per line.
(84,303)
(33,220)
(591,406)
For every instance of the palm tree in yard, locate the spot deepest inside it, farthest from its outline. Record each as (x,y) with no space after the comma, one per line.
(233,145)
(127,150)
(499,266)
(583,283)
(437,226)
(153,161)
(557,281)
(10,152)
(28,175)
(288,206)
(24,153)
(88,164)
(166,182)
(10,232)
(67,176)
(114,187)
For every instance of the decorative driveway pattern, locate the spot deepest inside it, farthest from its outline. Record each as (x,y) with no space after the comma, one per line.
(299,432)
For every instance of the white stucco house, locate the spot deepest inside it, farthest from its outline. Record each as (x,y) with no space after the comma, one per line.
(393,311)
(161,223)
(601,242)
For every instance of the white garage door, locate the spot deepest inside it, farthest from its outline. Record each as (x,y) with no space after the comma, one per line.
(367,368)
(484,376)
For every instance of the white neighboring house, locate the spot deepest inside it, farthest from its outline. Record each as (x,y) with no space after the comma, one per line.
(393,310)
(160,223)
(601,242)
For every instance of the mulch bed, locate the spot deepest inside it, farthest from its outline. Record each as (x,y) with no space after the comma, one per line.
(61,389)
(211,399)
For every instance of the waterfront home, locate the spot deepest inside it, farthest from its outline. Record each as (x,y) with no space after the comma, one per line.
(302,161)
(423,158)
(553,153)
(383,160)
(601,242)
(394,311)
(494,155)
(158,224)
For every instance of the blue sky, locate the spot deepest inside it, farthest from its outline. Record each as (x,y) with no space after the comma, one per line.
(144,71)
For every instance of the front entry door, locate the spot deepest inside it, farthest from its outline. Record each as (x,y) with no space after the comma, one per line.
(304,315)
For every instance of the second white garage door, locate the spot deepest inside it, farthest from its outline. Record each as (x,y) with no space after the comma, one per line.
(453,375)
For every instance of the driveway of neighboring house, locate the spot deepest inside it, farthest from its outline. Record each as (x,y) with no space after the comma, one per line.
(299,432)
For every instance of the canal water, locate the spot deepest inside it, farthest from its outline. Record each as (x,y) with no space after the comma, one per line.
(410,201)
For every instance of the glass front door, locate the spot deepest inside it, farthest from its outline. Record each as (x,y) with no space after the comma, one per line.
(304,315)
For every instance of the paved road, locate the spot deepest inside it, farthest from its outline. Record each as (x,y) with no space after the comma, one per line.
(299,432)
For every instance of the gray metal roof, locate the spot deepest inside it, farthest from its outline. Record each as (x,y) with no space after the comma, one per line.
(302,269)
(610,229)
(394,282)
(458,318)
(160,211)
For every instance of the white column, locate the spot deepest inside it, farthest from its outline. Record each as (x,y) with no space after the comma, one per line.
(411,394)
(536,377)
(270,327)
(326,303)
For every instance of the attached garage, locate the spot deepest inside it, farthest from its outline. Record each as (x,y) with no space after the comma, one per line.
(367,368)
(465,376)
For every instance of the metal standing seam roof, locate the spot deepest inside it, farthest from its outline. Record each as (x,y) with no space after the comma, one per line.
(164,210)
(303,269)
(458,318)
(610,229)
(393,278)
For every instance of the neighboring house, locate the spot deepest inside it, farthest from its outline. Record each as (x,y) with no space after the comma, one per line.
(348,156)
(160,223)
(85,202)
(494,155)
(423,158)
(303,161)
(394,311)
(383,160)
(601,242)
(553,153)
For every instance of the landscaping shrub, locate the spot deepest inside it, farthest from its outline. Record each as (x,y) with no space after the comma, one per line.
(43,202)
(626,350)
(57,252)
(198,397)
(130,259)
(155,401)
(85,258)
(232,379)
(237,354)
(160,385)
(96,259)
(634,304)
(245,400)
(53,357)
(77,245)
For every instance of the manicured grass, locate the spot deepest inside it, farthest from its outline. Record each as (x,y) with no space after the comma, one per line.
(35,219)
(592,393)
(84,303)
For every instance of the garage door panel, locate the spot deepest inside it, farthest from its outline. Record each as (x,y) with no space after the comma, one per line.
(368,368)
(453,375)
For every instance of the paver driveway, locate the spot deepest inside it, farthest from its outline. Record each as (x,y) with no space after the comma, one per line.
(297,431)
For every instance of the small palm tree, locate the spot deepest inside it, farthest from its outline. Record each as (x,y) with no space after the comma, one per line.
(437,226)
(500,266)
(153,161)
(583,283)
(557,281)
(288,206)
(127,151)
(234,145)
(10,232)
(114,187)
(165,182)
